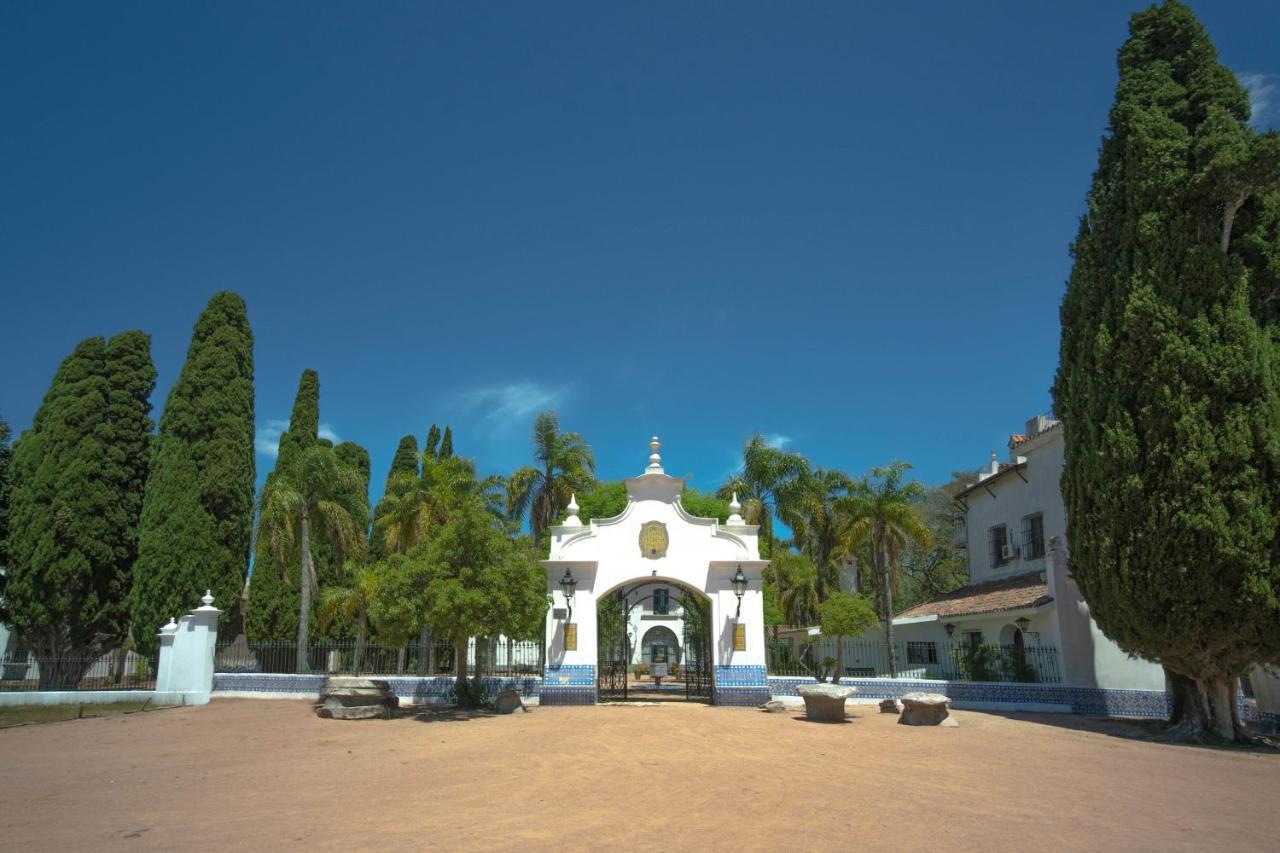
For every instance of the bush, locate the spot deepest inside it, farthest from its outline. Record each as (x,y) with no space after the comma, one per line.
(472,694)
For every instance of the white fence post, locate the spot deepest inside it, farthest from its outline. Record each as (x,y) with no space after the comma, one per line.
(186,654)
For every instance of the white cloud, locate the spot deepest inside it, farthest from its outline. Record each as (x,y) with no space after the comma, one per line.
(515,401)
(776,440)
(1263,92)
(267,439)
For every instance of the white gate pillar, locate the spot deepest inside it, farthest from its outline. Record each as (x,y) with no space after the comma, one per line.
(185,669)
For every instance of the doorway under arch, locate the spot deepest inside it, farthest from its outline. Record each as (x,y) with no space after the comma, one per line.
(677,650)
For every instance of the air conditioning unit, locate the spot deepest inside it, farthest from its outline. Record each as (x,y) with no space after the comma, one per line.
(1008,552)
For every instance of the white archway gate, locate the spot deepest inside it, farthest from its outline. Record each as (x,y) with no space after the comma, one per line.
(654,539)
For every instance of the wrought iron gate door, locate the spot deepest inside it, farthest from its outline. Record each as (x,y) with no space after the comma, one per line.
(699,680)
(613,653)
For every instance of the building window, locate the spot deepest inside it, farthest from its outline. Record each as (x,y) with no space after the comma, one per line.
(922,652)
(998,539)
(973,639)
(1033,536)
(661,602)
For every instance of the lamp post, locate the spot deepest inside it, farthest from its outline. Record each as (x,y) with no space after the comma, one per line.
(1023,623)
(739,581)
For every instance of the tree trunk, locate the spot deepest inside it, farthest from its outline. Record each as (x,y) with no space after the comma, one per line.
(362,636)
(460,664)
(1204,709)
(888,610)
(400,656)
(423,640)
(839,658)
(117,664)
(63,672)
(304,598)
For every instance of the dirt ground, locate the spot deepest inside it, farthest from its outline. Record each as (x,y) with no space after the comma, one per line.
(259,775)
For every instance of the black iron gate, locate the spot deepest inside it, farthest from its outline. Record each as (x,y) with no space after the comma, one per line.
(614,651)
(699,677)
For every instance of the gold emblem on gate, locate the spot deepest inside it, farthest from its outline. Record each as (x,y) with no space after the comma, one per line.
(653,540)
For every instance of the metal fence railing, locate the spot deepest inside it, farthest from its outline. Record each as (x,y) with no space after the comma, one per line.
(958,661)
(116,670)
(494,656)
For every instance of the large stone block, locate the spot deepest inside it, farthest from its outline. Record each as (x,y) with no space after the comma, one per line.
(825,702)
(925,709)
(333,711)
(509,702)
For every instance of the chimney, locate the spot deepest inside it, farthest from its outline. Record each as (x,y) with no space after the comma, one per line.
(1036,425)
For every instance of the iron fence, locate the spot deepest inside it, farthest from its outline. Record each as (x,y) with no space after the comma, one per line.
(959,661)
(492,656)
(116,670)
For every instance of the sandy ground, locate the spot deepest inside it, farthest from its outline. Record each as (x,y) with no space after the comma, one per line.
(261,775)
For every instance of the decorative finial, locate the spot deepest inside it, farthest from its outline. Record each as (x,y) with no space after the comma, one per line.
(207,598)
(573,520)
(655,459)
(170,627)
(735,511)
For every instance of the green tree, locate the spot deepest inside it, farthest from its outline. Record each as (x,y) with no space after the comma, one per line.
(6,479)
(414,507)
(78,478)
(703,505)
(602,500)
(796,577)
(808,505)
(1167,384)
(480,583)
(766,471)
(446,443)
(405,461)
(939,566)
(319,493)
(432,444)
(273,600)
(842,615)
(565,465)
(197,513)
(351,602)
(883,512)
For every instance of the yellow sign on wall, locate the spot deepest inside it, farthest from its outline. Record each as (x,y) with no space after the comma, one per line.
(739,637)
(570,637)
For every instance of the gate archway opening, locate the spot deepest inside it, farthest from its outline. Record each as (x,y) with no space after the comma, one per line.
(654,641)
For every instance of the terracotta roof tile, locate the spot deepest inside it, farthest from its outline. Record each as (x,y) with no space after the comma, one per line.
(1018,592)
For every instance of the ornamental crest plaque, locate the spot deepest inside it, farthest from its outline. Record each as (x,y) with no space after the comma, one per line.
(653,540)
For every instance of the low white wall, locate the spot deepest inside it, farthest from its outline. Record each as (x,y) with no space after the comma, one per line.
(90,697)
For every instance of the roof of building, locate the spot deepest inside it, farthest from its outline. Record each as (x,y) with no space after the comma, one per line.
(1002,469)
(1018,592)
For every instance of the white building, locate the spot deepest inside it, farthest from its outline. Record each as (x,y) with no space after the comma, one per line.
(1020,592)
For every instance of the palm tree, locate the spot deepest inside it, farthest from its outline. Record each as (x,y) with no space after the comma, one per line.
(797,592)
(350,601)
(415,505)
(766,471)
(317,492)
(807,504)
(884,513)
(565,465)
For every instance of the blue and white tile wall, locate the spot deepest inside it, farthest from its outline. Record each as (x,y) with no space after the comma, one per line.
(569,684)
(741,685)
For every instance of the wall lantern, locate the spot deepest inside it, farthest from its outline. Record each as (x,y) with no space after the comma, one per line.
(950,628)
(568,584)
(739,581)
(1023,623)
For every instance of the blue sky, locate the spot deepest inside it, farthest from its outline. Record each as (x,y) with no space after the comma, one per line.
(841,224)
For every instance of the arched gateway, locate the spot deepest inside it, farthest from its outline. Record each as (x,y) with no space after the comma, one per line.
(651,546)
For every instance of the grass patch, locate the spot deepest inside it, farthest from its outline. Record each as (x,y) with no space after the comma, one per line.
(24,715)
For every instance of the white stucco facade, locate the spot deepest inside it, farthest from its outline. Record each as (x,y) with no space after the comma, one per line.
(1016,528)
(605,555)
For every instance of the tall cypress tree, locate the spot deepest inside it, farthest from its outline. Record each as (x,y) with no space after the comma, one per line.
(78,477)
(433,441)
(1167,386)
(6,459)
(405,461)
(197,515)
(446,444)
(273,593)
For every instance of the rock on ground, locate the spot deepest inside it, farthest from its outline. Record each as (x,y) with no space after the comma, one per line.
(890,706)
(774,706)
(925,709)
(352,698)
(336,711)
(825,702)
(509,702)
